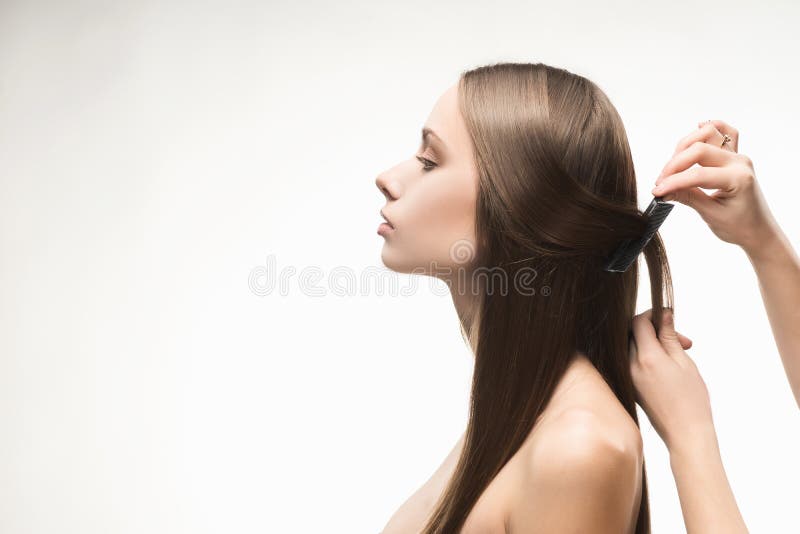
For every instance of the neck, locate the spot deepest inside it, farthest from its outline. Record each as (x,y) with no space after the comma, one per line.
(466,304)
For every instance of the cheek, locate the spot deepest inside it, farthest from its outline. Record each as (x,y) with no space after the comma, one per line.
(443,216)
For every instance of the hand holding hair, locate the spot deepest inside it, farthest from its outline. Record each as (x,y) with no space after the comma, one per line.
(668,386)
(738,213)
(674,396)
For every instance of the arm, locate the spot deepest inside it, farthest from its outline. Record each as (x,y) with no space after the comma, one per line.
(675,398)
(778,270)
(707,501)
(738,213)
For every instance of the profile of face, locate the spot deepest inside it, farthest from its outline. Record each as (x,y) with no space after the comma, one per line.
(431,198)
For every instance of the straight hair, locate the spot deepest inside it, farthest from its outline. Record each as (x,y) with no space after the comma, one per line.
(556,195)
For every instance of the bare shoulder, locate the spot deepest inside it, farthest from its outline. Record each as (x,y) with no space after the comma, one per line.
(581,470)
(414,512)
(581,441)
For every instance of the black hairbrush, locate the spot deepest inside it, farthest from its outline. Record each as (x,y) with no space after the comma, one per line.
(627,252)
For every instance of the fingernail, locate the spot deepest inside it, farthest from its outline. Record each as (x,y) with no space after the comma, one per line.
(658,189)
(669,197)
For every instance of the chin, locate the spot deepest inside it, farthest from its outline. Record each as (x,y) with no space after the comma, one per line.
(389,259)
(396,262)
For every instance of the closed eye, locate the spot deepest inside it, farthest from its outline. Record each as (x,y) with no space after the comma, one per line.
(427,164)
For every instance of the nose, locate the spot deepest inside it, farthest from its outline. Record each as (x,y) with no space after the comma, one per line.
(383,184)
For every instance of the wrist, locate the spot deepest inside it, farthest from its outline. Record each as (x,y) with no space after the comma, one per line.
(696,444)
(771,243)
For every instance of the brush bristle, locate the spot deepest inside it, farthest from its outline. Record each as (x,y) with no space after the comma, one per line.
(627,252)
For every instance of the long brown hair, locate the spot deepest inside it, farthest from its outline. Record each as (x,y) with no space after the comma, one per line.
(557,192)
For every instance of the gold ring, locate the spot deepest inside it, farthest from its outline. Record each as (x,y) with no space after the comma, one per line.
(726,139)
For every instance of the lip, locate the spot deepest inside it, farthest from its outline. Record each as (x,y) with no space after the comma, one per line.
(387,220)
(384,229)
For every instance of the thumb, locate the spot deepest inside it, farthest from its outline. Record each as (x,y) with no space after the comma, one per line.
(667,334)
(686,343)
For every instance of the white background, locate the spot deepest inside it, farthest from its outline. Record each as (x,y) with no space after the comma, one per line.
(153,154)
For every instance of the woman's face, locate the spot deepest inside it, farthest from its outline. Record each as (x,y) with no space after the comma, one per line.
(430,198)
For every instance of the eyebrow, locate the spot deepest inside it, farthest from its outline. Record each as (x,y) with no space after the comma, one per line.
(428,132)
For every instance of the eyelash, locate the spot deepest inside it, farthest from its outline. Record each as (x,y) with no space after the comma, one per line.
(428,165)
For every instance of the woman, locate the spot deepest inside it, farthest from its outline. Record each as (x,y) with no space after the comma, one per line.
(522,187)
(667,382)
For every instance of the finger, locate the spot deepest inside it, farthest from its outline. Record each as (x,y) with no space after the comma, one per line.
(636,371)
(706,177)
(667,334)
(700,153)
(670,340)
(726,128)
(636,375)
(644,334)
(686,343)
(707,133)
(695,198)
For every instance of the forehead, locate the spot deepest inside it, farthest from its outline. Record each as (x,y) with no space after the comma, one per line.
(446,120)
(447,103)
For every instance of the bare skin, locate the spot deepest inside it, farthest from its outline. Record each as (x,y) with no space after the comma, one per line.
(675,398)
(738,213)
(580,468)
(431,199)
(668,385)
